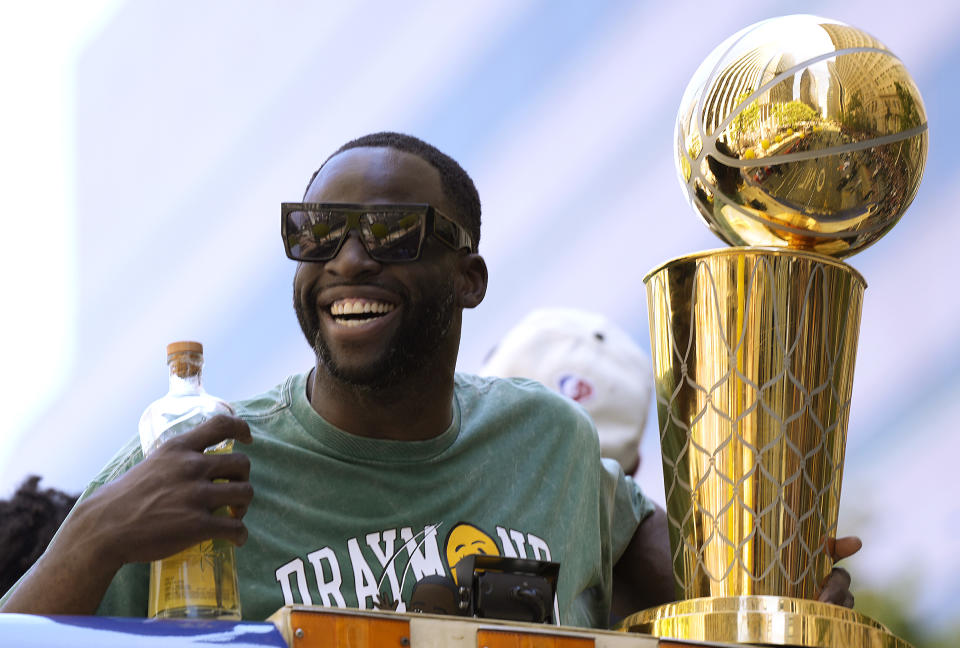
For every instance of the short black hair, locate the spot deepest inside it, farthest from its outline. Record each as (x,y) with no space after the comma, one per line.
(457,185)
(29,520)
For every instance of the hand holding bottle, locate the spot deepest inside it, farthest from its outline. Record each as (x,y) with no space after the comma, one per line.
(162,505)
(167,502)
(199,581)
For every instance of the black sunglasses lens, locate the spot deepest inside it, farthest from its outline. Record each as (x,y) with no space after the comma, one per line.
(393,235)
(314,235)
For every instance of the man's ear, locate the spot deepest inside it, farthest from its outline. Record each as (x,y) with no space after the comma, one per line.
(473,280)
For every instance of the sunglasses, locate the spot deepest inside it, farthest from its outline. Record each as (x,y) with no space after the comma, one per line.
(389,233)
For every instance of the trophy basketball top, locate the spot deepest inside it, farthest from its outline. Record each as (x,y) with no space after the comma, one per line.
(803,133)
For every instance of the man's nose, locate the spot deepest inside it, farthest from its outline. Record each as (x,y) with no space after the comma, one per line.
(352,260)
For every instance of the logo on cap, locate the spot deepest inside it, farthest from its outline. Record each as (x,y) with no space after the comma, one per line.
(575,387)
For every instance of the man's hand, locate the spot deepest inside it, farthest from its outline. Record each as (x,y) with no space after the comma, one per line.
(643,576)
(166,503)
(836,587)
(161,506)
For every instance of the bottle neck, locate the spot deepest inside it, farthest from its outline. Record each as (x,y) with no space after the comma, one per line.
(185,373)
(187,385)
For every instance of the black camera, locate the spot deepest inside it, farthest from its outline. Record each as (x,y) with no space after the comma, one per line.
(492,587)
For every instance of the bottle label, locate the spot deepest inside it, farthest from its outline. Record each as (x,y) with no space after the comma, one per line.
(198,582)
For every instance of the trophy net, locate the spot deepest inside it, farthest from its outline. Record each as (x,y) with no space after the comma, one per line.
(753,354)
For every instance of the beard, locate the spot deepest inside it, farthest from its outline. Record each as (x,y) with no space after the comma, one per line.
(421,330)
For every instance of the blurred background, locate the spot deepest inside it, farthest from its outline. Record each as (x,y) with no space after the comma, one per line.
(146,145)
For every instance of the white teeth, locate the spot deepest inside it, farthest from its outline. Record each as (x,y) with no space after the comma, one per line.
(359,307)
(351,323)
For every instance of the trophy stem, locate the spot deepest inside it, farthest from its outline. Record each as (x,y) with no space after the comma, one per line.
(753,354)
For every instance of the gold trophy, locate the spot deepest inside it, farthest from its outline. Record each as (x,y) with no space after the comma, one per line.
(801,141)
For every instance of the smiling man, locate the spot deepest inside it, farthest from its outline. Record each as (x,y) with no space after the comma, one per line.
(364,462)
(386,332)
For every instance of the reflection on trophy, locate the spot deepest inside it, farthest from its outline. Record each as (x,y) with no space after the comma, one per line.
(802,141)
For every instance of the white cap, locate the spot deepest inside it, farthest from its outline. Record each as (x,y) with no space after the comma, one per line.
(589,359)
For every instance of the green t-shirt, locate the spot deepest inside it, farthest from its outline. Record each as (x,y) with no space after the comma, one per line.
(338,519)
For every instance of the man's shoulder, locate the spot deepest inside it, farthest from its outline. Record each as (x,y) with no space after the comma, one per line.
(270,402)
(520,388)
(126,458)
(513,395)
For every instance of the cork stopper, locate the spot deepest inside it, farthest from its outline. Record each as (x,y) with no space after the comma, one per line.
(180,347)
(185,358)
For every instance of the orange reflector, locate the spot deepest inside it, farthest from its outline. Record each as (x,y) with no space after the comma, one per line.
(488,638)
(347,631)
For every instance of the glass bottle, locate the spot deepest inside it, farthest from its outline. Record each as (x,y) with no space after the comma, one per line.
(200,581)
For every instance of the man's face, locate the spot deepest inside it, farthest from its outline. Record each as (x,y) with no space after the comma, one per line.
(370,323)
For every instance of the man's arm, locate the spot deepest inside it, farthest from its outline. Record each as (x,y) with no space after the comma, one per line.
(643,577)
(159,507)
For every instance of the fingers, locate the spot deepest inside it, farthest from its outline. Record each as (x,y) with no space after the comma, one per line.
(217,497)
(227,528)
(840,548)
(212,432)
(233,466)
(837,588)
(171,466)
(237,511)
(845,547)
(184,455)
(236,495)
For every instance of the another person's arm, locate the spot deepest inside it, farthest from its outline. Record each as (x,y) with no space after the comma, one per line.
(159,507)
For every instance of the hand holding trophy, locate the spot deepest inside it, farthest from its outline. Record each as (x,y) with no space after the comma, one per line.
(800,140)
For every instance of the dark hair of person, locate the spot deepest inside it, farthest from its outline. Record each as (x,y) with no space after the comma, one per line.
(28,521)
(457,185)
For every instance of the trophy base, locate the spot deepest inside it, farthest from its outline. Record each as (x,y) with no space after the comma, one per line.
(771,620)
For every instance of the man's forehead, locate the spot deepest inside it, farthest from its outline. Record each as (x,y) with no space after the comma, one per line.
(377,174)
